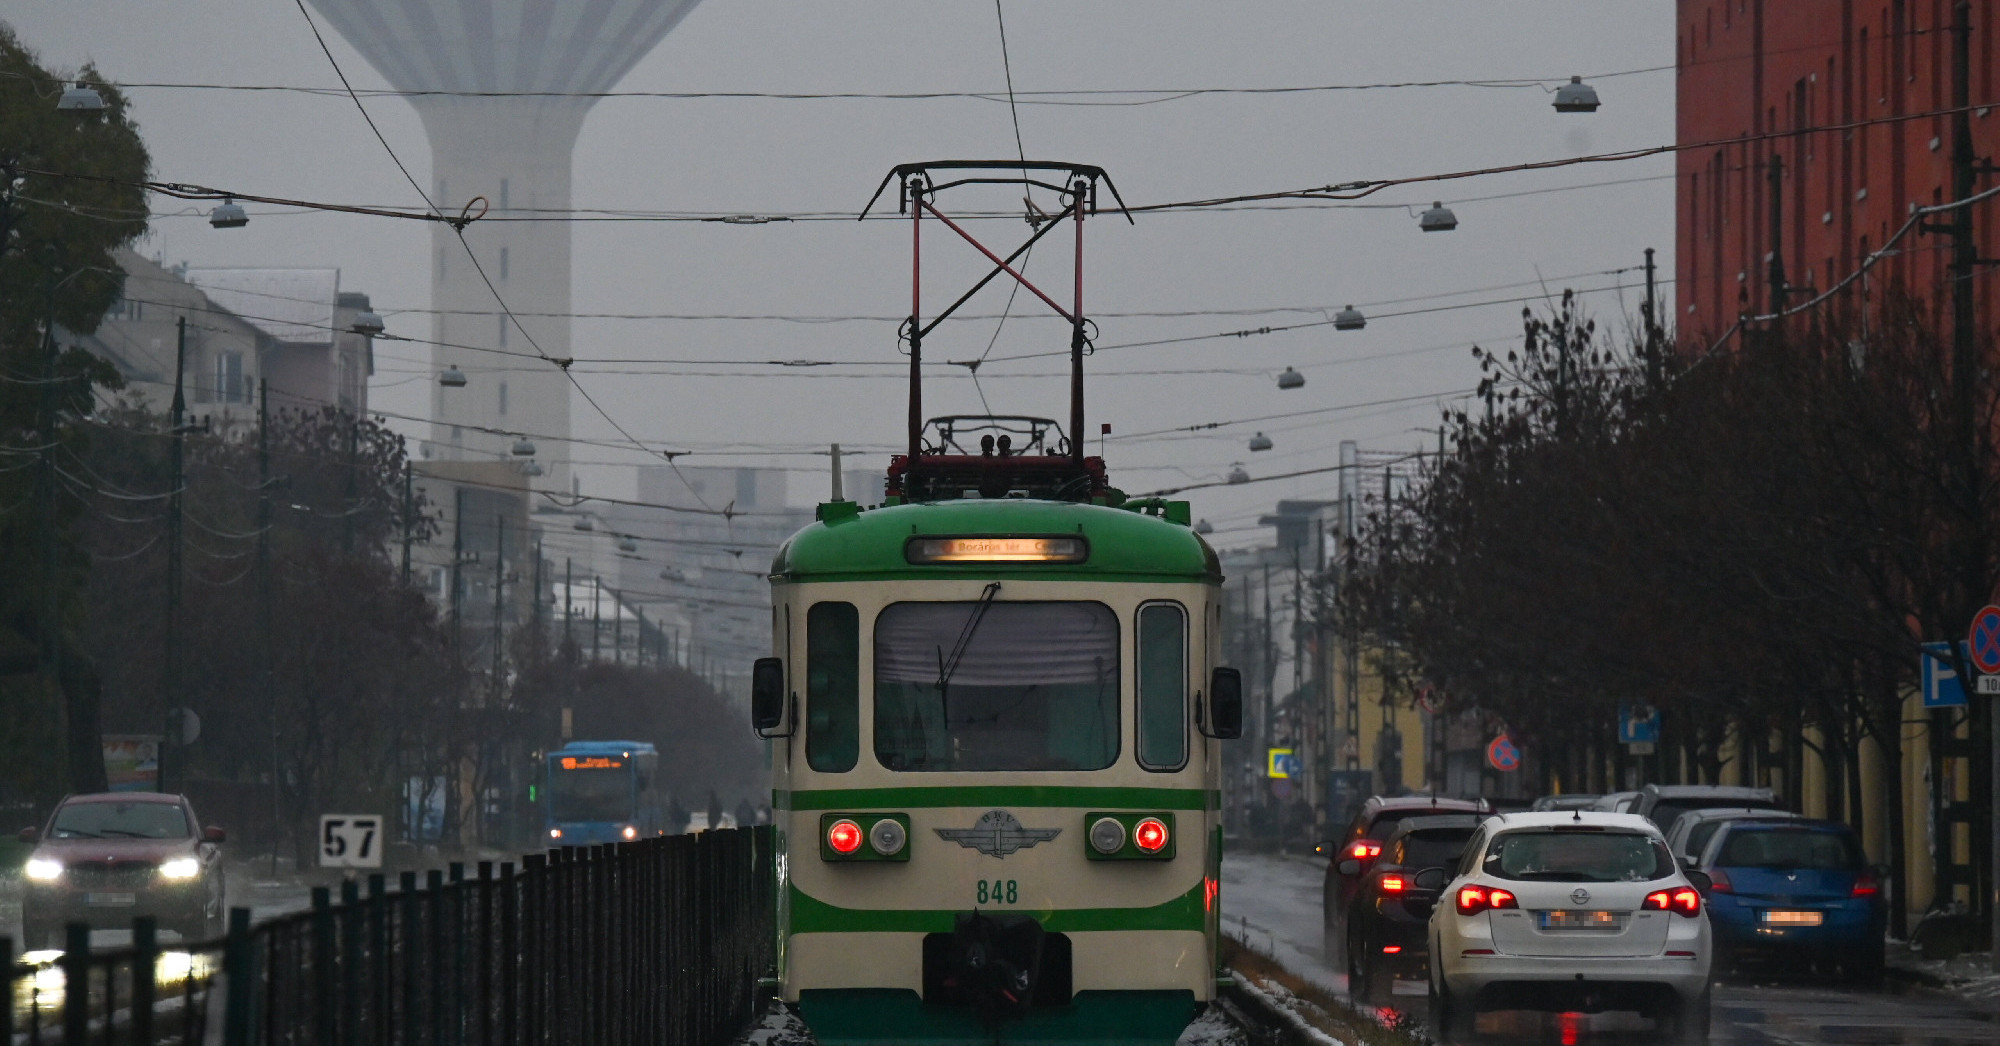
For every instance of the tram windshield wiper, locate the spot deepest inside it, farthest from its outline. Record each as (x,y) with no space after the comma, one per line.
(947,665)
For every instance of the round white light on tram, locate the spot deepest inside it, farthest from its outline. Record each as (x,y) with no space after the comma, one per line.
(1107,835)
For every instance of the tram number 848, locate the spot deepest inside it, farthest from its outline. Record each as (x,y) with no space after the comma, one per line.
(999,891)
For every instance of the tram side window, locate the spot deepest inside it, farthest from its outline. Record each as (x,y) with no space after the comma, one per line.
(1162,687)
(996,686)
(833,687)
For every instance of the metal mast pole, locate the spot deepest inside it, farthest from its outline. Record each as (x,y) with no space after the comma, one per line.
(409,503)
(499,588)
(176,465)
(1651,310)
(268,656)
(916,191)
(1776,275)
(569,599)
(1078,190)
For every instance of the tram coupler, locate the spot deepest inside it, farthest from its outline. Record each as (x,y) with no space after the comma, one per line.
(993,962)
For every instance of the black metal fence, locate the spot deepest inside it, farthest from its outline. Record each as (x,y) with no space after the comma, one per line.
(656,941)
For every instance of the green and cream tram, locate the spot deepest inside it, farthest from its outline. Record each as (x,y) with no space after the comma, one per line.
(995,769)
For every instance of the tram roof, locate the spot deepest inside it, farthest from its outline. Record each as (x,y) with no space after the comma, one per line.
(1126,544)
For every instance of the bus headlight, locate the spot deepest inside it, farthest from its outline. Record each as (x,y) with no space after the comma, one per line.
(555,833)
(43,870)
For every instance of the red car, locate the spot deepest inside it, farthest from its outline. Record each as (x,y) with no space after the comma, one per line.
(107,858)
(1377,820)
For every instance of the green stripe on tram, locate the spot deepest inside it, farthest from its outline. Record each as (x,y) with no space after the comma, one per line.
(1094,797)
(812,915)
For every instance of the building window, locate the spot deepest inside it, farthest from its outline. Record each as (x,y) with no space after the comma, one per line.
(503,398)
(503,331)
(229,378)
(503,263)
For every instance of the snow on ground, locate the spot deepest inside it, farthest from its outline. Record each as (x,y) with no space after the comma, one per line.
(1271,903)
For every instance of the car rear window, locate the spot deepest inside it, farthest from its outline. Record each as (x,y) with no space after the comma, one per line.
(1790,848)
(1669,811)
(1434,848)
(1573,856)
(120,821)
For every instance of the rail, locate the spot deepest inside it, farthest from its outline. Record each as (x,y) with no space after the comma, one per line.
(659,940)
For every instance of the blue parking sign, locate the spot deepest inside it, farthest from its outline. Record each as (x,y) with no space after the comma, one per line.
(1942,687)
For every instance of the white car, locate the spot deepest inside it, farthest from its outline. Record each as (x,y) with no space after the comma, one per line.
(1570,911)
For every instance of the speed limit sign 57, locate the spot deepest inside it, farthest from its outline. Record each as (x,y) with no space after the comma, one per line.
(350,841)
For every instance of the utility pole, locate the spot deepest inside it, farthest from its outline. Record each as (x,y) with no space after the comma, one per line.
(499,588)
(1966,167)
(176,477)
(1650,313)
(1776,276)
(409,522)
(1350,485)
(569,599)
(537,611)
(347,515)
(267,656)
(617,628)
(51,645)
(596,615)
(457,563)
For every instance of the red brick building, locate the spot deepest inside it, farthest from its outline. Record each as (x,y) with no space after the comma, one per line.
(1789,69)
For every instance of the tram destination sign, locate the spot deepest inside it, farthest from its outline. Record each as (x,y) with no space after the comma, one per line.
(1057,548)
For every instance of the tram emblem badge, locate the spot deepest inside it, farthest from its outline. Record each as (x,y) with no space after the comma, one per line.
(997,833)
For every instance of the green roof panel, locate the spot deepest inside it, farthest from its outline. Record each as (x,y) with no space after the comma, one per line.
(868,545)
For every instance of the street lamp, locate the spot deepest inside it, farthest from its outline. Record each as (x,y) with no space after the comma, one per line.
(82,98)
(1576,97)
(1260,442)
(626,544)
(1291,379)
(532,468)
(228,215)
(1202,526)
(1238,474)
(452,378)
(367,323)
(1438,219)
(523,448)
(1349,319)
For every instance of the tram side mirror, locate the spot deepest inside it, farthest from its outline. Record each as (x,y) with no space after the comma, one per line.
(767,694)
(1225,704)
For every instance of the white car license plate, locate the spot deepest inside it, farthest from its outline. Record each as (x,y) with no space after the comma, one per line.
(1563,919)
(111,899)
(1774,917)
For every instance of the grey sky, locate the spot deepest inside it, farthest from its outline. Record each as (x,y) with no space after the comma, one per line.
(765,156)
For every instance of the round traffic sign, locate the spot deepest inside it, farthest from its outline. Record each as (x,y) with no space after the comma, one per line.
(1984,639)
(1501,754)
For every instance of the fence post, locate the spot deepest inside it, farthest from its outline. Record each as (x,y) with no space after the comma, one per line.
(533,890)
(75,963)
(411,934)
(378,959)
(7,1009)
(457,920)
(145,966)
(434,930)
(349,916)
(320,987)
(483,953)
(238,980)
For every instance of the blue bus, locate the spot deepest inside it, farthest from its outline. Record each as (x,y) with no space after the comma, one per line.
(603,792)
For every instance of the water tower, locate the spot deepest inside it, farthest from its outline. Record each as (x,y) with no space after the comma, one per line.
(490,139)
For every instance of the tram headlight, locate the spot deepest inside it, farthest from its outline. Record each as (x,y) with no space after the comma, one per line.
(888,836)
(1107,835)
(1150,835)
(843,836)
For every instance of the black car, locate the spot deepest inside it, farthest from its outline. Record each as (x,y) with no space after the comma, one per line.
(1388,922)
(1377,820)
(106,858)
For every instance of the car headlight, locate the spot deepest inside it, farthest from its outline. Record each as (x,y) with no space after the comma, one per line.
(180,868)
(43,870)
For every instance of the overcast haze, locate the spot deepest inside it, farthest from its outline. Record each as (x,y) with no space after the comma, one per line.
(757,156)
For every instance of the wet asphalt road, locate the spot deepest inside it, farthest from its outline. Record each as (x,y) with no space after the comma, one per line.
(1272,904)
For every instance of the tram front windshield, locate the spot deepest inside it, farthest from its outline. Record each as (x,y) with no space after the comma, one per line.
(996,686)
(595,794)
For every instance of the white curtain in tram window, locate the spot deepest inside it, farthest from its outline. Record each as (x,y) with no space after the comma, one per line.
(1015,644)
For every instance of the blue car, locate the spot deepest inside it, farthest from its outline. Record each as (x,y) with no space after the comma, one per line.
(1799,892)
